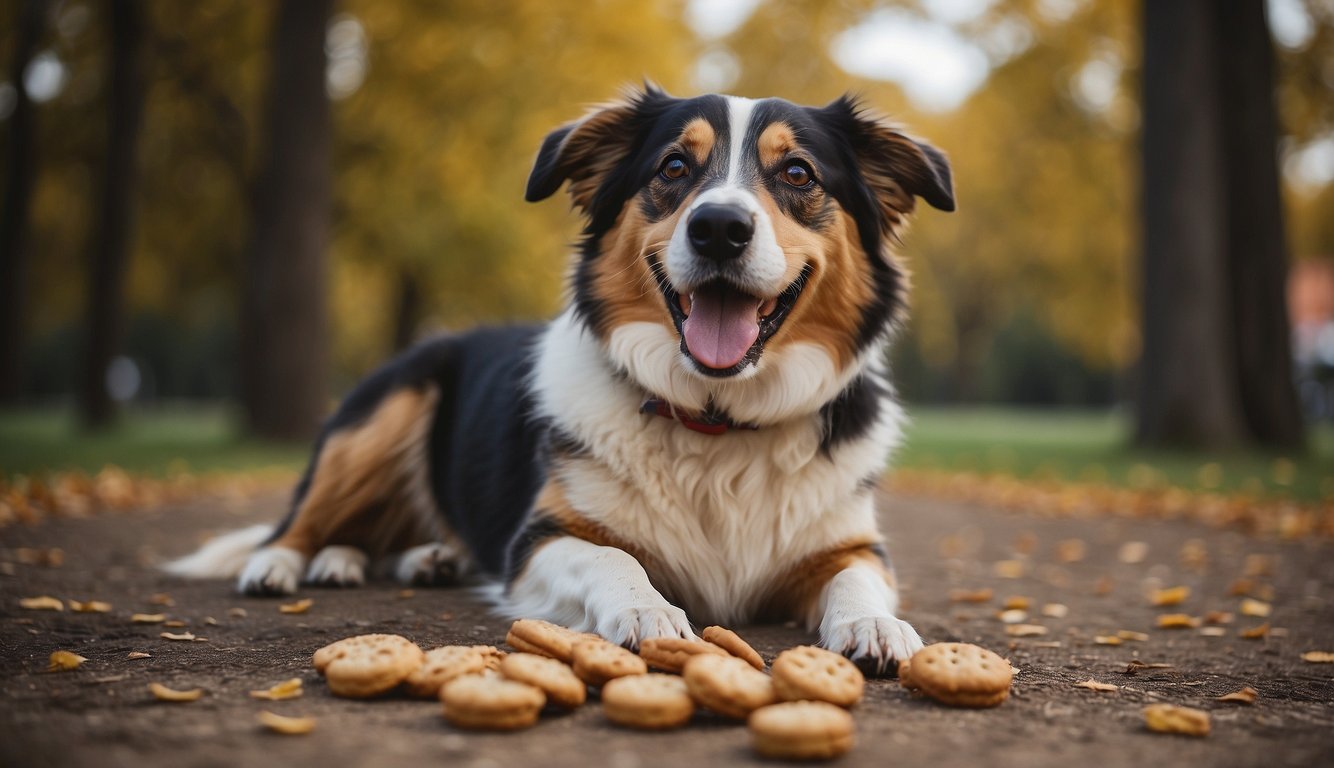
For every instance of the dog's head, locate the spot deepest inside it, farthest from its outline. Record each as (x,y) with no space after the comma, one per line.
(731,230)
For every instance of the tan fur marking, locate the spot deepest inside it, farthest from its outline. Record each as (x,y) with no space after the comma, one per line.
(796,593)
(361,492)
(698,139)
(775,143)
(622,280)
(552,504)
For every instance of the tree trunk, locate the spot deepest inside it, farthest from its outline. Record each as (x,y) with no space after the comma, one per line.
(112,237)
(1257,258)
(284,352)
(408,312)
(1215,368)
(20,157)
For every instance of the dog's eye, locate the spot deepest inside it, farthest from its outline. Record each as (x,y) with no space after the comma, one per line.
(798,174)
(674,167)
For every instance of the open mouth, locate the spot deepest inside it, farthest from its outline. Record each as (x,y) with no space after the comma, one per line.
(723,329)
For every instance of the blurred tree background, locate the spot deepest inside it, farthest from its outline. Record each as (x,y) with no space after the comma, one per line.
(1029,295)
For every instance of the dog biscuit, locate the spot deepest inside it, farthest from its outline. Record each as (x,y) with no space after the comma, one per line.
(814,674)
(561,686)
(960,675)
(651,701)
(732,643)
(486,702)
(597,661)
(367,665)
(801,730)
(544,638)
(728,685)
(444,664)
(670,654)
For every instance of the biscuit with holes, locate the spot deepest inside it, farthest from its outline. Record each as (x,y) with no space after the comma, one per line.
(562,687)
(961,675)
(597,661)
(807,673)
(653,701)
(801,730)
(487,702)
(444,664)
(544,638)
(728,685)
(367,665)
(670,654)
(732,643)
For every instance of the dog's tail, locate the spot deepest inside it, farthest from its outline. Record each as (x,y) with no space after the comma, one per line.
(222,557)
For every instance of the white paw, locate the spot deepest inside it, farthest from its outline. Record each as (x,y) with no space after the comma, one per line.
(631,626)
(435,564)
(875,639)
(338,567)
(272,571)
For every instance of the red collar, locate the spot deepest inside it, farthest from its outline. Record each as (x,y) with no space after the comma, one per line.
(710,423)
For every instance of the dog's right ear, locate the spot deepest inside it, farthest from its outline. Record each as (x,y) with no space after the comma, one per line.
(586,151)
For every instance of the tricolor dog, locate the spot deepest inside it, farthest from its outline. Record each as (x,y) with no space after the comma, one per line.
(696,438)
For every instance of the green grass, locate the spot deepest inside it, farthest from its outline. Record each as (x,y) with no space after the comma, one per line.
(1064,445)
(155,442)
(1094,447)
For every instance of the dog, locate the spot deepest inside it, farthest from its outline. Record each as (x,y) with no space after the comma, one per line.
(698,435)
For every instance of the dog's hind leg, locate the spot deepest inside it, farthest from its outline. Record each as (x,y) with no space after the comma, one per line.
(366,493)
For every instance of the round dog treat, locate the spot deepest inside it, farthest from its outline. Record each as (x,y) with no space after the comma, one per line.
(651,701)
(728,685)
(597,661)
(562,687)
(670,654)
(367,665)
(814,674)
(732,643)
(543,638)
(801,730)
(442,665)
(490,703)
(961,675)
(905,679)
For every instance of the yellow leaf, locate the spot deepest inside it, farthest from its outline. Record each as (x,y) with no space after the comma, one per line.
(163,693)
(173,636)
(1094,685)
(43,603)
(148,618)
(1169,718)
(1250,607)
(300,606)
(92,606)
(1025,630)
(1177,621)
(291,726)
(1318,657)
(289,689)
(1246,695)
(1165,597)
(63,661)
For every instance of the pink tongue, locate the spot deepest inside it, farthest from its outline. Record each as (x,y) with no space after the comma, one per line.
(722,326)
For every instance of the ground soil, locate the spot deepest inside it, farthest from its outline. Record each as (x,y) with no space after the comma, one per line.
(102,713)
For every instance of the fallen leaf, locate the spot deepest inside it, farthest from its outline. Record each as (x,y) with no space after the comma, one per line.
(1132,552)
(1136,665)
(148,618)
(1013,616)
(163,693)
(1213,632)
(1177,621)
(1016,603)
(1103,586)
(1165,597)
(300,606)
(1169,718)
(1255,633)
(174,624)
(1240,587)
(1126,634)
(1025,630)
(1259,565)
(139,655)
(288,689)
(63,661)
(1071,550)
(210,621)
(92,606)
(172,636)
(1251,607)
(161,598)
(1246,695)
(1055,610)
(1009,569)
(404,594)
(236,613)
(1318,657)
(1219,617)
(970,595)
(1094,685)
(1107,640)
(43,603)
(290,726)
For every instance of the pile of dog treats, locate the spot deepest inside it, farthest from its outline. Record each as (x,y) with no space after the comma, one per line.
(795,710)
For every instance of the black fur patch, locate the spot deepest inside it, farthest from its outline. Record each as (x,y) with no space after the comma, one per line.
(852,413)
(540,528)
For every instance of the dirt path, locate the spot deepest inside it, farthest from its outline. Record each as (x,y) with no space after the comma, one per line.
(102,713)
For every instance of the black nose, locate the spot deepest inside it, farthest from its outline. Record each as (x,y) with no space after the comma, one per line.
(720,232)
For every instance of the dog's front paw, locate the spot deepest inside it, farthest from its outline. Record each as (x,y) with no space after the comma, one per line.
(631,626)
(431,565)
(272,571)
(873,641)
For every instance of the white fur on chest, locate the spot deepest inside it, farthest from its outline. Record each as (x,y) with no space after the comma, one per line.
(721,517)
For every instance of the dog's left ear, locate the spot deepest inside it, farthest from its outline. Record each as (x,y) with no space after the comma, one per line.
(895,166)
(585,151)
